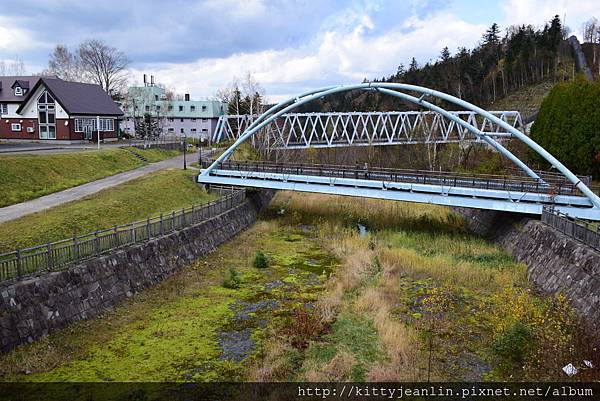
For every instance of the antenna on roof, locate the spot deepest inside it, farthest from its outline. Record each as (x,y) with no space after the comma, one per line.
(151,80)
(145,80)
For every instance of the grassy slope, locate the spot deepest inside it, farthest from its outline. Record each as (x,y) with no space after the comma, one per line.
(26,177)
(526,100)
(162,191)
(416,275)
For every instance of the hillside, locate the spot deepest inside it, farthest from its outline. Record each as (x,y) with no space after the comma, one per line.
(526,100)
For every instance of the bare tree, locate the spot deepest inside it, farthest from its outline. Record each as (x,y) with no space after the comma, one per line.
(254,92)
(104,65)
(65,65)
(15,67)
(590,30)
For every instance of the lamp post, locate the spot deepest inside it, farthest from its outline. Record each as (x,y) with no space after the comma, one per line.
(184,151)
(200,151)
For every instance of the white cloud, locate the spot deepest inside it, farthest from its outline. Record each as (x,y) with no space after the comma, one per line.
(334,56)
(13,39)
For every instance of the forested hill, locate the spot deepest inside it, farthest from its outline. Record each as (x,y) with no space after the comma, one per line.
(500,65)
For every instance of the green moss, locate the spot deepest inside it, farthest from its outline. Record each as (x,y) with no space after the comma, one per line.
(175,340)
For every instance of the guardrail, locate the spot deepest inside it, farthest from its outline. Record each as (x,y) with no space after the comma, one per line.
(552,184)
(581,230)
(59,255)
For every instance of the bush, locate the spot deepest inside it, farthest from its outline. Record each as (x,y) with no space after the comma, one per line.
(513,346)
(260,260)
(567,125)
(232,281)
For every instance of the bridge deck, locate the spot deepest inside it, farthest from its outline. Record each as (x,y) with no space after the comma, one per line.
(520,194)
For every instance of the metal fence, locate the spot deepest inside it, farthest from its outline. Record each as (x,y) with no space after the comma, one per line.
(584,231)
(553,184)
(59,255)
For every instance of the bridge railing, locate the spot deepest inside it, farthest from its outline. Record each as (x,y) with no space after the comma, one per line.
(59,255)
(552,185)
(582,230)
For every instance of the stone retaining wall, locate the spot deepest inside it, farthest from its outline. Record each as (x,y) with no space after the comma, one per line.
(556,263)
(33,307)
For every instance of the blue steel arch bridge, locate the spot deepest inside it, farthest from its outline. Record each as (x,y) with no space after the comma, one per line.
(281,128)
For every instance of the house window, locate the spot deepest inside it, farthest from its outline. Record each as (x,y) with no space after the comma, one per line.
(147,108)
(171,129)
(193,129)
(181,119)
(157,108)
(155,97)
(180,108)
(181,130)
(18,91)
(192,108)
(204,130)
(3,108)
(46,116)
(15,127)
(106,124)
(170,108)
(193,119)
(203,108)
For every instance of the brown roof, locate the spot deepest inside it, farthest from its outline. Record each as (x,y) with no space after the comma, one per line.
(77,97)
(7,94)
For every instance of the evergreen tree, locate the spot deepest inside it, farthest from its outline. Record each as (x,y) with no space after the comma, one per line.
(445,54)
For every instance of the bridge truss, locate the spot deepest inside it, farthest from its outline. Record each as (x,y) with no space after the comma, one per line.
(335,129)
(527,193)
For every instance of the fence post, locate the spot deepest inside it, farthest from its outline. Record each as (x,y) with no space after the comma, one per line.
(161,225)
(49,256)
(148,227)
(76,247)
(183,217)
(133,239)
(117,242)
(96,242)
(19,267)
(173,220)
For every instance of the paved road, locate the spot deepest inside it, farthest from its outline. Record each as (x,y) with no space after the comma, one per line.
(68,195)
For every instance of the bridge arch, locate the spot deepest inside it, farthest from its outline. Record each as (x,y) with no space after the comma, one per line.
(397,90)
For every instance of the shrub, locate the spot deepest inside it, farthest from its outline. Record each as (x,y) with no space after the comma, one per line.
(512,346)
(260,260)
(567,125)
(232,281)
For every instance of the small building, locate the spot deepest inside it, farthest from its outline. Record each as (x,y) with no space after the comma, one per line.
(46,108)
(179,117)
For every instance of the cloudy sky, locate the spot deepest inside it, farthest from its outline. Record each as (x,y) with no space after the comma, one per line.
(199,46)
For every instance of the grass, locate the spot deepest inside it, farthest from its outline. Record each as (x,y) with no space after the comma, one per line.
(375,307)
(430,291)
(138,199)
(26,177)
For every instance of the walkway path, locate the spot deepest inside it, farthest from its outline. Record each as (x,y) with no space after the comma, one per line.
(15,211)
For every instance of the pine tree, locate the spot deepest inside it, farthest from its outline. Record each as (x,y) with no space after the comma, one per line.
(445,54)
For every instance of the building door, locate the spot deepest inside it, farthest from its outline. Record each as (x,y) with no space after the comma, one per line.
(87,131)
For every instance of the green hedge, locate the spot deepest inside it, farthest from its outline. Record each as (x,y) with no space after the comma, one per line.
(568,125)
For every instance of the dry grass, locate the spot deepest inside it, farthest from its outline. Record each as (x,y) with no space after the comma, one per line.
(339,368)
(400,342)
(446,270)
